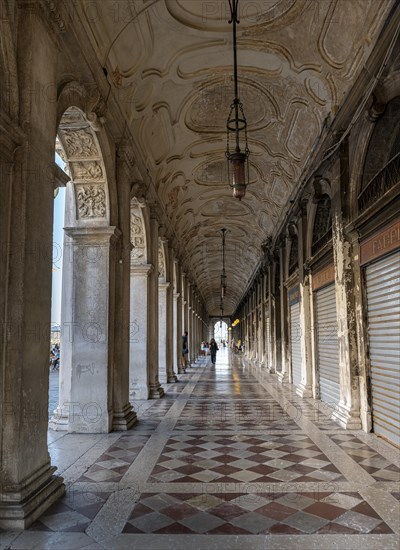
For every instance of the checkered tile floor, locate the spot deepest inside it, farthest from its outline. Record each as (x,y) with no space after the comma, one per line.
(261,513)
(259,415)
(228,460)
(114,463)
(370,460)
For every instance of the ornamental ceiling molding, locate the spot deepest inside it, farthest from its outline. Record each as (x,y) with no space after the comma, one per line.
(180,77)
(211,16)
(78,146)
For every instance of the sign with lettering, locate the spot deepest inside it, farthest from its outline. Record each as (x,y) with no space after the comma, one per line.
(387,240)
(324,277)
(294,295)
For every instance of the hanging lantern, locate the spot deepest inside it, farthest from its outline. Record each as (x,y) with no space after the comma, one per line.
(223,274)
(236,124)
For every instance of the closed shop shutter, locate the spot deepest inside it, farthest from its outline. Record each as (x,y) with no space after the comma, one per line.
(383,299)
(295,343)
(328,346)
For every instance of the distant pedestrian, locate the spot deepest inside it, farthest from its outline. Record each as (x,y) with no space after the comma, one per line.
(213,350)
(185,349)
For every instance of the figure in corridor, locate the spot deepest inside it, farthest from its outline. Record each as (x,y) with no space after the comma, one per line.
(185,349)
(213,350)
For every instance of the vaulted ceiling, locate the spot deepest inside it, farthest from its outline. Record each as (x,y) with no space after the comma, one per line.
(170,62)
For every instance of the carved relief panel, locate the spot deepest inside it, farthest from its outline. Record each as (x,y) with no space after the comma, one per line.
(78,147)
(138,235)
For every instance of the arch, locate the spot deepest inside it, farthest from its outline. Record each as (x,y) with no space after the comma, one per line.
(385,92)
(322,224)
(220,332)
(162,261)
(293,255)
(139,240)
(89,239)
(384,142)
(87,200)
(292,252)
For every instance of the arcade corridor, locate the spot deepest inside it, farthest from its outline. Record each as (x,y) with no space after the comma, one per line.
(230,170)
(223,454)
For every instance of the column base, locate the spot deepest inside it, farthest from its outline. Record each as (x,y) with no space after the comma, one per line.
(139,392)
(156,391)
(124,420)
(304,390)
(283,377)
(59,421)
(172,378)
(349,420)
(21,505)
(181,370)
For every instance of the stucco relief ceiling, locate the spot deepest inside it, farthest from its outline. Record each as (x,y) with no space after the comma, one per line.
(171,66)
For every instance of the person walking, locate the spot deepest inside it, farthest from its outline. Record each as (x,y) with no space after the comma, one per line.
(185,349)
(213,350)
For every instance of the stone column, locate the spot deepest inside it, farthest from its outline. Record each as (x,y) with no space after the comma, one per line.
(139,371)
(27,484)
(155,389)
(86,394)
(190,325)
(162,331)
(305,387)
(196,330)
(271,308)
(345,249)
(171,327)
(263,347)
(284,373)
(175,330)
(179,328)
(123,417)
(185,305)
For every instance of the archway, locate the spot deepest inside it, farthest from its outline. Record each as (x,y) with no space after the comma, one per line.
(221,332)
(87,397)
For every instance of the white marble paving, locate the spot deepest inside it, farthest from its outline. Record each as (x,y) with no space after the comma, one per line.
(74,454)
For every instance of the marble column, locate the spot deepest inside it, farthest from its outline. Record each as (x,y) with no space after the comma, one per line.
(175,330)
(179,320)
(305,388)
(162,332)
(139,381)
(190,325)
(86,394)
(171,327)
(345,249)
(124,416)
(155,389)
(272,324)
(283,375)
(28,485)
(263,348)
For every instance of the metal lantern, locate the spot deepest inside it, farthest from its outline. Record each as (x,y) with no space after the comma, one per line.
(236,124)
(223,274)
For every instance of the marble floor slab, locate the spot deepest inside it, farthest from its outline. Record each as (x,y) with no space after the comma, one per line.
(229,458)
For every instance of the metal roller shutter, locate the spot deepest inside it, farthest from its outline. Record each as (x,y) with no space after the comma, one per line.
(383,299)
(295,343)
(328,346)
